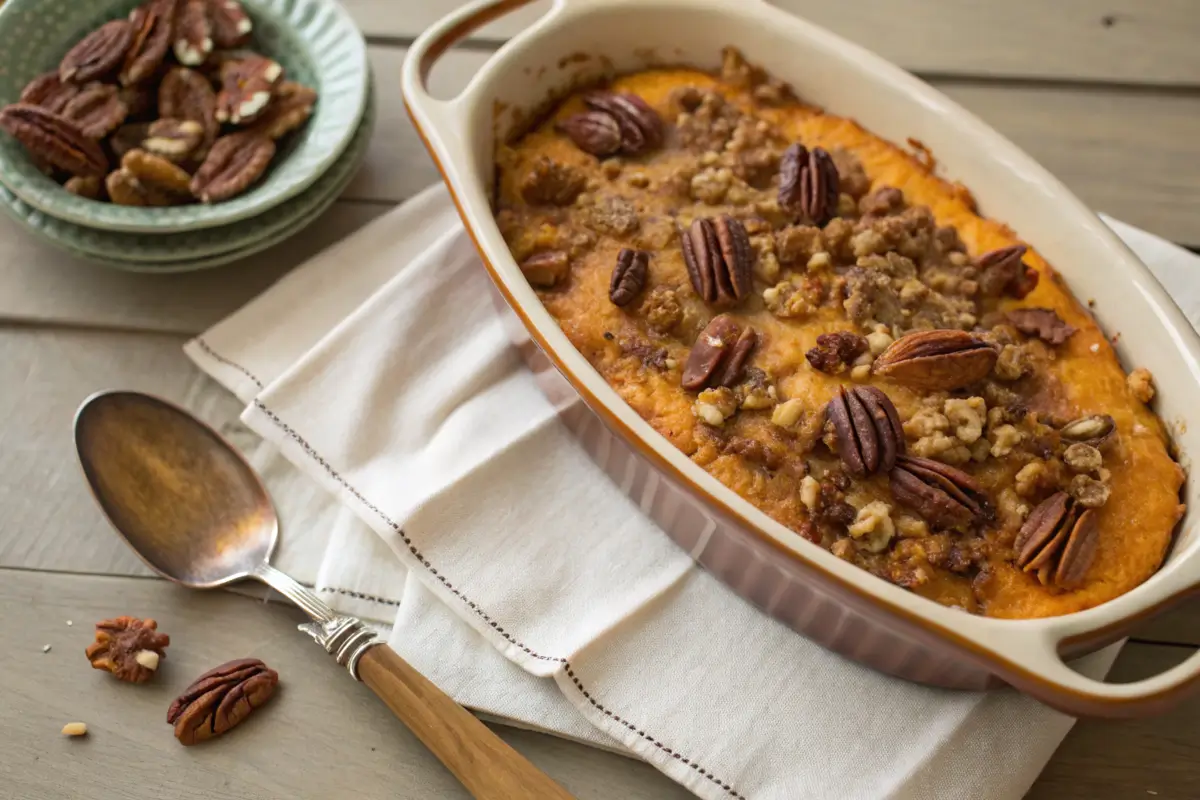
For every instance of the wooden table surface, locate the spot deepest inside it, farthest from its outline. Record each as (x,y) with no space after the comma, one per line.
(1105,94)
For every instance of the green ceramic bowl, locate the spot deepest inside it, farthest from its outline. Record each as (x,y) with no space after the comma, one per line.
(162,252)
(315,41)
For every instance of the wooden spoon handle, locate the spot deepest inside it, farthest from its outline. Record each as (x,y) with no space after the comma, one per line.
(481,760)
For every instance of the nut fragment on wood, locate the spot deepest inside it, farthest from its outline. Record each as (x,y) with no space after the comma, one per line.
(220,699)
(118,642)
(75,729)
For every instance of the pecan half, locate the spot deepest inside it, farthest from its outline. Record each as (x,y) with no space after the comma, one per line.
(98,110)
(944,496)
(231,25)
(234,163)
(546,269)
(937,360)
(719,259)
(628,276)
(220,699)
(53,139)
(836,351)
(50,92)
(1058,542)
(152,23)
(246,88)
(290,108)
(193,33)
(1003,272)
(119,642)
(1097,430)
(640,125)
(869,435)
(1044,323)
(187,94)
(91,188)
(594,132)
(157,172)
(125,189)
(809,183)
(174,139)
(98,53)
(719,354)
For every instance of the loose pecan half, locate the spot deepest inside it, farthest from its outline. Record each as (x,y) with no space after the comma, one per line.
(944,496)
(53,139)
(937,360)
(234,163)
(594,132)
(246,88)
(122,644)
(177,140)
(640,125)
(157,172)
(1044,323)
(187,94)
(836,351)
(290,108)
(719,354)
(869,435)
(1003,272)
(193,33)
(98,53)
(808,183)
(220,699)
(231,25)
(1097,430)
(152,23)
(719,259)
(98,110)
(1058,542)
(628,276)
(50,92)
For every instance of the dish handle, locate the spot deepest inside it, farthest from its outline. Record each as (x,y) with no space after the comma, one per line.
(1038,669)
(445,119)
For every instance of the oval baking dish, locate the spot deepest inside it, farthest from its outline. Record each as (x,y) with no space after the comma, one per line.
(808,588)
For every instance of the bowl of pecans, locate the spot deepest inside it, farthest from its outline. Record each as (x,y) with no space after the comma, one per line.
(162,116)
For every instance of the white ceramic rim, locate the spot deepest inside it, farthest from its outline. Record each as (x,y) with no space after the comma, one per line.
(1028,650)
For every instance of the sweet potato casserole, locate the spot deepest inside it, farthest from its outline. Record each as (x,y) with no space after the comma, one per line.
(836,334)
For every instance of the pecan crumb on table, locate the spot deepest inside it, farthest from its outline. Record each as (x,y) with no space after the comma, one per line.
(864,358)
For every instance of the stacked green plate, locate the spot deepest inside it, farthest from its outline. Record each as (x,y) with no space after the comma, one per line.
(317,45)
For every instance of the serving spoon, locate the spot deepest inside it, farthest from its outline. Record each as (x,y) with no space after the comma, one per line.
(195,511)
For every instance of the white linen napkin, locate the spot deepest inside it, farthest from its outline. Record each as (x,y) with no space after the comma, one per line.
(522,581)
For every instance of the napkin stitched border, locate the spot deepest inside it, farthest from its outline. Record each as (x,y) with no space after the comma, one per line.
(566,665)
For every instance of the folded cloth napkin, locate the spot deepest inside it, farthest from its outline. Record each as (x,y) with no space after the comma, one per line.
(525,583)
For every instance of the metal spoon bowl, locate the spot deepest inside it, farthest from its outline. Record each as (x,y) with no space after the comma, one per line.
(192,508)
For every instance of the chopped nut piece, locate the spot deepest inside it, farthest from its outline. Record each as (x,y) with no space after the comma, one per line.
(1141,384)
(75,729)
(714,406)
(967,417)
(810,492)
(147,658)
(1089,491)
(878,341)
(1004,438)
(836,351)
(819,260)
(1083,458)
(788,413)
(546,269)
(874,525)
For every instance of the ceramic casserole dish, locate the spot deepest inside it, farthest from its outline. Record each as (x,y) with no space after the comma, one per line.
(828,600)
